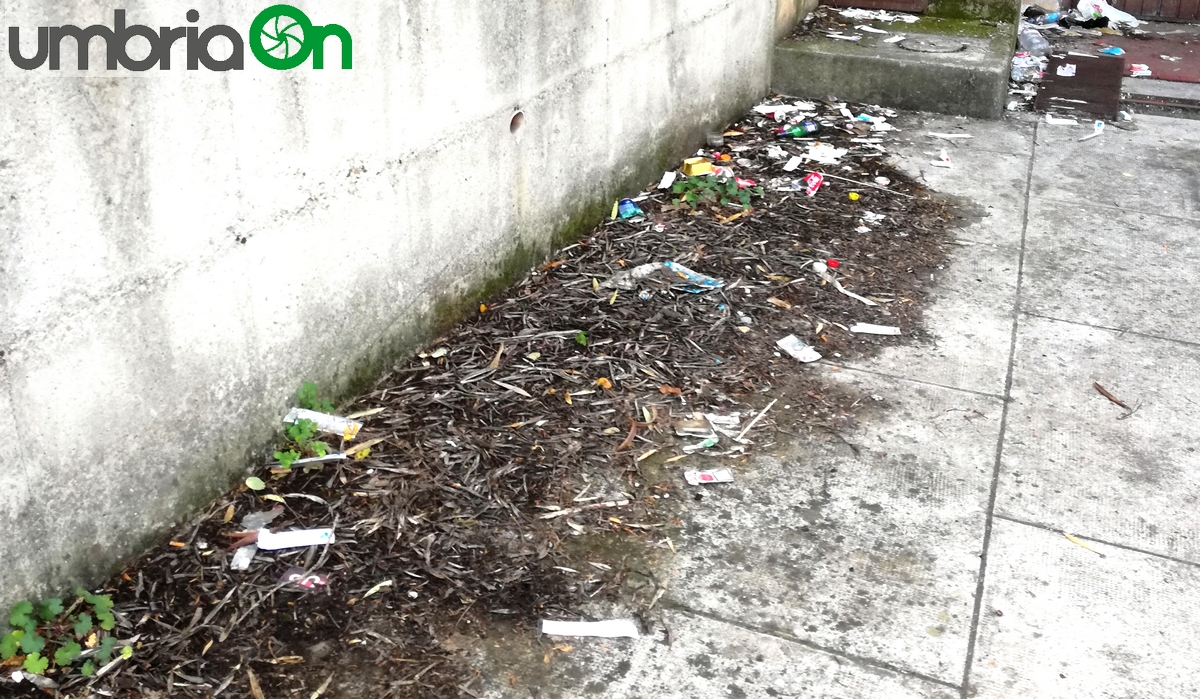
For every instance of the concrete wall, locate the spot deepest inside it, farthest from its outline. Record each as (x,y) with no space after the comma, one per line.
(180,250)
(788,14)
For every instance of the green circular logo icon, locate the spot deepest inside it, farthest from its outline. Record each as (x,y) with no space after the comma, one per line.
(279,37)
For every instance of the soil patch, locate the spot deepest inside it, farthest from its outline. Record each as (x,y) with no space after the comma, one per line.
(539,432)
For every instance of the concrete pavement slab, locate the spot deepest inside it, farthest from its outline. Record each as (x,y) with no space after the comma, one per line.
(1155,169)
(1113,268)
(992,185)
(873,554)
(1012,136)
(970,321)
(709,658)
(1061,622)
(1070,462)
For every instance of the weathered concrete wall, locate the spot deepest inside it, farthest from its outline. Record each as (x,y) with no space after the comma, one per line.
(788,14)
(180,250)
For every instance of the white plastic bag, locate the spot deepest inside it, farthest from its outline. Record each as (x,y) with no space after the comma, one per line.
(1094,8)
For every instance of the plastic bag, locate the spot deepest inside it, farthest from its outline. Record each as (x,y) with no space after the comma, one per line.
(1028,69)
(1100,8)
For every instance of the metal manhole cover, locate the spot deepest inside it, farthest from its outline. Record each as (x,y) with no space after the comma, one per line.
(933,45)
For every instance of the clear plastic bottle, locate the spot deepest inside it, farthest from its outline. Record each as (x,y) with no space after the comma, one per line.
(1031,40)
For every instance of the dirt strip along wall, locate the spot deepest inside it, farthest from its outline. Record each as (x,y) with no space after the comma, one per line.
(180,249)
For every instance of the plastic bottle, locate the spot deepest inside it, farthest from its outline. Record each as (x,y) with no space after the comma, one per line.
(1031,40)
(806,128)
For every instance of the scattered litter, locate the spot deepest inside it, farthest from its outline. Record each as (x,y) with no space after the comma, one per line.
(1082,544)
(869,329)
(1066,70)
(695,167)
(943,161)
(796,349)
(1139,70)
(668,179)
(822,270)
(259,520)
(894,39)
(612,628)
(754,422)
(700,282)
(950,136)
(696,427)
(882,181)
(242,557)
(824,153)
(700,446)
(303,579)
(843,37)
(813,182)
(1099,8)
(802,130)
(1167,58)
(584,508)
(348,429)
(720,475)
(627,209)
(1058,121)
(871,30)
(1113,51)
(1097,129)
(697,283)
(39,681)
(794,163)
(300,538)
(877,15)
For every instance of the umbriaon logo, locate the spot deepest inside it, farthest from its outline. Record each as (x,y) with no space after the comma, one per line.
(281,37)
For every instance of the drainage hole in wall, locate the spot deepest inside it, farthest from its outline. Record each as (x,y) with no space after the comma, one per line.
(518,120)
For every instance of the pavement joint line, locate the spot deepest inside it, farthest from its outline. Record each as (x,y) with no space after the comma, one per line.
(1123,547)
(1120,331)
(857,659)
(933,384)
(1052,200)
(972,638)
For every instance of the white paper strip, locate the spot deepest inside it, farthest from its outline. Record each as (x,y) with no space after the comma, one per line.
(270,541)
(667,180)
(612,628)
(326,423)
(868,329)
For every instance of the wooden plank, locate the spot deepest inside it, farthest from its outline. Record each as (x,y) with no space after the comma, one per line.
(1085,85)
(1189,9)
(1169,8)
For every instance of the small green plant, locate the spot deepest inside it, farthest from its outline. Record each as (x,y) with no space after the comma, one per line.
(301,443)
(49,633)
(307,398)
(713,190)
(301,435)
